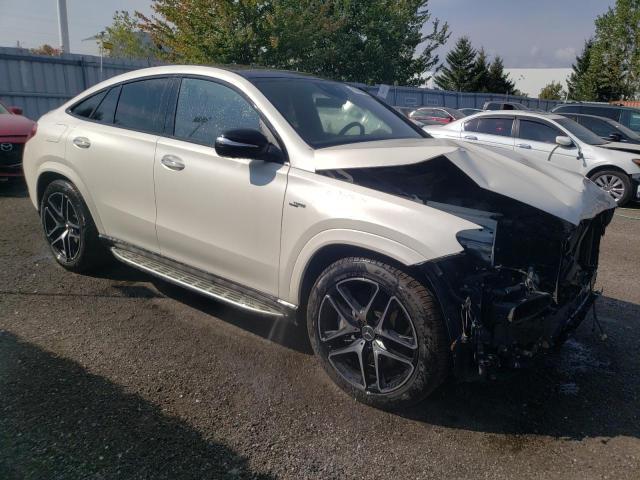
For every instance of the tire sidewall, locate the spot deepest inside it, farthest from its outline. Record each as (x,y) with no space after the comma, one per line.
(66,188)
(427,323)
(623,178)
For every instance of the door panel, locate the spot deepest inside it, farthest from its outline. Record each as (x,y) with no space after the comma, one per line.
(536,141)
(117,167)
(489,131)
(220,215)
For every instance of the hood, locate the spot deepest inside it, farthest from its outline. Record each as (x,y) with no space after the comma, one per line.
(14,125)
(564,194)
(624,147)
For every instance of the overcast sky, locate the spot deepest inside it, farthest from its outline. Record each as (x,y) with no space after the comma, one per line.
(526,33)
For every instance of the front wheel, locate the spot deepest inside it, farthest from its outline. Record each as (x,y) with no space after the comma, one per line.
(615,183)
(377,332)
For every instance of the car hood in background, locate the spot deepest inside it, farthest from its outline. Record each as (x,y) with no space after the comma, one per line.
(561,193)
(14,125)
(621,146)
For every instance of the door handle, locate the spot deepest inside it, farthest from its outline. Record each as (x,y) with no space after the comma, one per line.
(470,137)
(524,145)
(172,162)
(81,142)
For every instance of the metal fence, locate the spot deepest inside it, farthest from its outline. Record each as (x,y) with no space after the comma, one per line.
(39,83)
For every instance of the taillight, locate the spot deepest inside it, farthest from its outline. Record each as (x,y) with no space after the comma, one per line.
(33,131)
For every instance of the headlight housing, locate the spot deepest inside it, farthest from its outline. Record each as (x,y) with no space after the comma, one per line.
(479,243)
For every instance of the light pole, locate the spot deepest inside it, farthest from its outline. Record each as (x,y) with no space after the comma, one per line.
(63,26)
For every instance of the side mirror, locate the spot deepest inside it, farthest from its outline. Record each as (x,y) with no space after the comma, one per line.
(563,141)
(15,110)
(615,137)
(247,143)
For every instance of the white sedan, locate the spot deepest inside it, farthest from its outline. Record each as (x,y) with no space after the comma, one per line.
(551,139)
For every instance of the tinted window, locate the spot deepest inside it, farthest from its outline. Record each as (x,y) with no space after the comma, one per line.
(538,132)
(491,126)
(613,113)
(597,126)
(328,113)
(583,134)
(107,108)
(631,119)
(142,105)
(86,107)
(492,106)
(208,109)
(433,112)
(567,109)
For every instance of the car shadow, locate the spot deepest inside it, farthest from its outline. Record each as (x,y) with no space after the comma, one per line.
(15,188)
(567,394)
(60,421)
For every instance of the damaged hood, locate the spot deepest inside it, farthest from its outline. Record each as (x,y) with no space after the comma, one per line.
(561,193)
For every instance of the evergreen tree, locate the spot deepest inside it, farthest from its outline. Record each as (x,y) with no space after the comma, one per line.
(578,84)
(498,81)
(459,74)
(481,72)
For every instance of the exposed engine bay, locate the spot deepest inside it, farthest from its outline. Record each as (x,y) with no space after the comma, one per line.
(525,279)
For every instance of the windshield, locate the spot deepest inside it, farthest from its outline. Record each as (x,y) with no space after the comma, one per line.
(584,135)
(328,113)
(3,109)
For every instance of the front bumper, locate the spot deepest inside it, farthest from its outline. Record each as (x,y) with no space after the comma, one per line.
(11,159)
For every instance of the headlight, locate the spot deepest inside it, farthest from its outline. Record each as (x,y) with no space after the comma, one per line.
(478,243)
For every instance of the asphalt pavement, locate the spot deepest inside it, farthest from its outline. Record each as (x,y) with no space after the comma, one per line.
(120,375)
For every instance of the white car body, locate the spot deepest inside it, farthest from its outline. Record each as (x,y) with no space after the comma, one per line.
(593,158)
(265,227)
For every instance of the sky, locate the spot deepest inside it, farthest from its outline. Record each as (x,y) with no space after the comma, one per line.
(526,33)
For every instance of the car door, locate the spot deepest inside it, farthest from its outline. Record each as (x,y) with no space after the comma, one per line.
(113,150)
(493,132)
(536,140)
(221,215)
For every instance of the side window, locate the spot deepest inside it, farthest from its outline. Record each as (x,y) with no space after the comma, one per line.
(142,105)
(86,107)
(597,126)
(207,109)
(538,132)
(613,113)
(493,106)
(490,126)
(107,108)
(631,119)
(439,114)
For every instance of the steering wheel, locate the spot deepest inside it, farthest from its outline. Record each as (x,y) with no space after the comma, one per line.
(349,126)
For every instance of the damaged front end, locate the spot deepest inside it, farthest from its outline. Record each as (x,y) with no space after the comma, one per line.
(525,278)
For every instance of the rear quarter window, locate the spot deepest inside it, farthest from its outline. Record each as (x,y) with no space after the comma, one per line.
(87,106)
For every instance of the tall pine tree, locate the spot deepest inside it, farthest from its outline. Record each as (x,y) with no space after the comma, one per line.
(579,86)
(459,73)
(498,81)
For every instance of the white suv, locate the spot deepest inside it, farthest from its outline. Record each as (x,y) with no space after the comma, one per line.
(297,197)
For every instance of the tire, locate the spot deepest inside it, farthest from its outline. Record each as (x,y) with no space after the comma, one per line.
(616,183)
(401,337)
(69,229)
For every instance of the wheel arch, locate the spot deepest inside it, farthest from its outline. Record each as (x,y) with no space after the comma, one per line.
(59,172)
(602,168)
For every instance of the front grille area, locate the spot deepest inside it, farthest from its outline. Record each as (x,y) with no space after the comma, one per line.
(11,154)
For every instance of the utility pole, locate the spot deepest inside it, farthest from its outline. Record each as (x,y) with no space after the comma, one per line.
(63,26)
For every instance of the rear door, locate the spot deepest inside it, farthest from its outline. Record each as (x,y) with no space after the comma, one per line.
(490,131)
(536,140)
(113,150)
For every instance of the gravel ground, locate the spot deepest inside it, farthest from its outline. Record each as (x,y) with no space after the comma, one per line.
(120,375)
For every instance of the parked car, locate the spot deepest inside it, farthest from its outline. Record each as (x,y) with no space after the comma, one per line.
(406,111)
(441,115)
(300,198)
(553,139)
(627,116)
(504,106)
(605,128)
(14,132)
(469,111)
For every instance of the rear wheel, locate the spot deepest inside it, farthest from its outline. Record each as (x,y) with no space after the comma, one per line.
(69,229)
(615,183)
(377,332)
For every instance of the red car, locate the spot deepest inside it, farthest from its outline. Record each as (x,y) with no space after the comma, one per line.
(438,114)
(15,130)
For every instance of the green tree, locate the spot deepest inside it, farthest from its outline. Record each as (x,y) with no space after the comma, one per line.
(481,72)
(124,38)
(377,41)
(498,79)
(579,85)
(459,73)
(552,91)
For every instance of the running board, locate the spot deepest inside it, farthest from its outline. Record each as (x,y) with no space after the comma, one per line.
(218,289)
